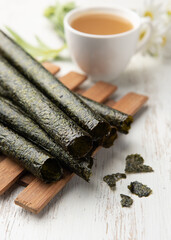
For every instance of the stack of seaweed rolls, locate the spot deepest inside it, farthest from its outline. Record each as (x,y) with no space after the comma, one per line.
(43,125)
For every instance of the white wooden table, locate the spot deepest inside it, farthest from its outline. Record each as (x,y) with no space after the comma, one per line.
(92,211)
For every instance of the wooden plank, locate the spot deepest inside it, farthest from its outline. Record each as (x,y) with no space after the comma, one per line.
(38,191)
(73,80)
(100,91)
(130,103)
(52,68)
(26,179)
(10,171)
(37,195)
(110,103)
(79,90)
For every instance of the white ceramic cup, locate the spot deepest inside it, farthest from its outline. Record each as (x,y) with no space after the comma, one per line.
(104,56)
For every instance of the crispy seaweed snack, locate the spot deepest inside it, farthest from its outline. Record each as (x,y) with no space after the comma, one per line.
(106,142)
(12,117)
(116,118)
(139,189)
(2,92)
(66,100)
(81,169)
(113,178)
(134,164)
(126,201)
(32,158)
(57,124)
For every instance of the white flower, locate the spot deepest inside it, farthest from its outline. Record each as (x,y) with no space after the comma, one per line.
(153,9)
(154,45)
(168,12)
(156,11)
(169,8)
(166,43)
(159,12)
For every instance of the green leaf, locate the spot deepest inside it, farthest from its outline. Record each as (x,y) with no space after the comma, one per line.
(56,15)
(41,43)
(41,52)
(20,40)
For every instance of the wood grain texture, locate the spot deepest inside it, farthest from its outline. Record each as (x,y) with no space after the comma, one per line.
(10,171)
(37,195)
(110,103)
(100,91)
(26,179)
(73,80)
(52,68)
(130,103)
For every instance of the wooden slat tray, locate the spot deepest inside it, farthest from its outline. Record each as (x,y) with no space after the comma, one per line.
(37,194)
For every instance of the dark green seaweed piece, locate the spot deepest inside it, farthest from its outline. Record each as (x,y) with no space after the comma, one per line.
(96,144)
(32,158)
(134,164)
(82,168)
(57,124)
(139,189)
(116,118)
(126,201)
(106,142)
(66,100)
(109,140)
(12,117)
(113,178)
(3,92)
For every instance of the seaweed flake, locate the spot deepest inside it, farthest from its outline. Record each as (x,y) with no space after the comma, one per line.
(126,201)
(139,189)
(113,178)
(135,164)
